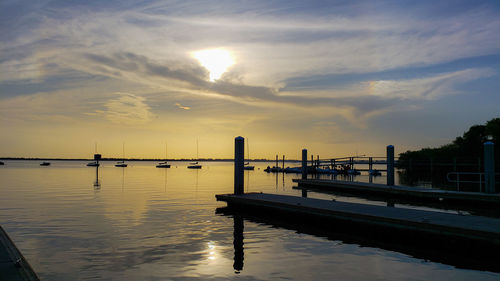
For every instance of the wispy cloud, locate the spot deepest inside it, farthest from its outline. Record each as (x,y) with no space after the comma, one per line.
(269,48)
(127,109)
(182,106)
(427,88)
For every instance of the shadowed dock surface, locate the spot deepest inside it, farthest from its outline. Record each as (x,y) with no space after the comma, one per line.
(415,193)
(483,230)
(13,266)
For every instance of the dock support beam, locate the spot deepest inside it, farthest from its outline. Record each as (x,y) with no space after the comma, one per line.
(239,159)
(390,165)
(304,164)
(489,167)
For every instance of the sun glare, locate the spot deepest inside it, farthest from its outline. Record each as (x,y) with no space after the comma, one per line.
(216,61)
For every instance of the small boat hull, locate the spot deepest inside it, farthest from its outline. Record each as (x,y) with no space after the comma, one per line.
(194,167)
(163,165)
(353,172)
(45,164)
(250,168)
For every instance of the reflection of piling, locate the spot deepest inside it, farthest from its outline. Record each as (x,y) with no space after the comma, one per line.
(390,165)
(304,164)
(238,243)
(239,158)
(489,167)
(97,183)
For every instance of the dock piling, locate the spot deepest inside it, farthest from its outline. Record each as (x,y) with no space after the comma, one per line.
(489,167)
(239,159)
(304,164)
(390,165)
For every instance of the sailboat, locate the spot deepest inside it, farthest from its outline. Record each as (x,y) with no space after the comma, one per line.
(247,164)
(164,164)
(122,163)
(195,165)
(95,163)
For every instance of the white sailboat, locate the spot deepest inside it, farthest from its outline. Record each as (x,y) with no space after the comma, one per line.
(164,164)
(122,163)
(195,165)
(247,164)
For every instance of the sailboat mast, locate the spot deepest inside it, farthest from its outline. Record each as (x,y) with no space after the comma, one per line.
(197,149)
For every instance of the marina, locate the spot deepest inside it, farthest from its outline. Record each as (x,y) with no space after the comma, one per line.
(148,209)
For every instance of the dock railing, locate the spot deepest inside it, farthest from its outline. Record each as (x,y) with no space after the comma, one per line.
(469,177)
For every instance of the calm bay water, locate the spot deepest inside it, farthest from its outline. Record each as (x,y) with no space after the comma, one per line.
(145,223)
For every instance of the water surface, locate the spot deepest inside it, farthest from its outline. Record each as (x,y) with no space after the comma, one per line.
(145,223)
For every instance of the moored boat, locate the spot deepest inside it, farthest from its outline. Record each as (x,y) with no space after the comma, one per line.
(163,165)
(121,164)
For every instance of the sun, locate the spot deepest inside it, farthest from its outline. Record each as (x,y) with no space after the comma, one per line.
(216,61)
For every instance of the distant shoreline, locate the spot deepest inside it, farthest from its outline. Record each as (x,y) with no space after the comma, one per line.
(133,159)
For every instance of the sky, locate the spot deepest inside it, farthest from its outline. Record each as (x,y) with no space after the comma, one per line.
(340,78)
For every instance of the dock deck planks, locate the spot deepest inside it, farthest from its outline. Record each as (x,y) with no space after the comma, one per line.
(482,229)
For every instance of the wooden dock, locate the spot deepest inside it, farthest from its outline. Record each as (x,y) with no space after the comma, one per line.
(13,266)
(406,192)
(483,231)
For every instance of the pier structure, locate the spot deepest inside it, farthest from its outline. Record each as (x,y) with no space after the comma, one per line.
(342,165)
(415,194)
(477,234)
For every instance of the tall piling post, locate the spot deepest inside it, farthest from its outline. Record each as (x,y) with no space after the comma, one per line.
(239,159)
(489,167)
(304,164)
(283,163)
(390,165)
(277,165)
